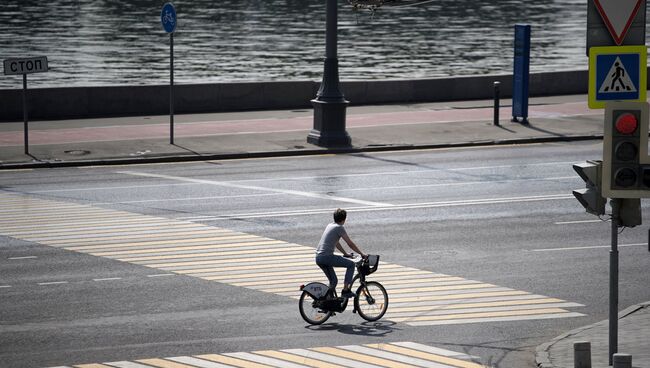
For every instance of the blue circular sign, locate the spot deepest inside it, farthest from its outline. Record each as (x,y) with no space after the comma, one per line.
(168,17)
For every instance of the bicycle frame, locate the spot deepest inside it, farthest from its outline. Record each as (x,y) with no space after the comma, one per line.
(320,292)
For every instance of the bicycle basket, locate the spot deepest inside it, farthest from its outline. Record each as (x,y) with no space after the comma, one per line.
(370,265)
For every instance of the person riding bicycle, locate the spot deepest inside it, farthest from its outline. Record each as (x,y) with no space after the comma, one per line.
(327,260)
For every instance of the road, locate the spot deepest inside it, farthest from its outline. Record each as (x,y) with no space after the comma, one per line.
(486,255)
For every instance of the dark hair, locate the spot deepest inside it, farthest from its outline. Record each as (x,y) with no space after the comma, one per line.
(340,215)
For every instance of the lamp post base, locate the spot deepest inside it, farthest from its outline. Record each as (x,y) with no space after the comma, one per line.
(329,124)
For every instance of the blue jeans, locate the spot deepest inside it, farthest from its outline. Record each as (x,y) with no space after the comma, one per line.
(327,264)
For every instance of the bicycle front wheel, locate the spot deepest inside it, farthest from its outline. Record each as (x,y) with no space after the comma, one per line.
(371,301)
(311,312)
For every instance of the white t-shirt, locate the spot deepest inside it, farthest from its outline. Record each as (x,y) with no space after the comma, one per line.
(332,234)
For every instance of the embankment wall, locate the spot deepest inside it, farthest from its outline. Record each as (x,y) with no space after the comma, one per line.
(110,101)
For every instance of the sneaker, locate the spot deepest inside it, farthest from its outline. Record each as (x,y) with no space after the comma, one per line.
(347,294)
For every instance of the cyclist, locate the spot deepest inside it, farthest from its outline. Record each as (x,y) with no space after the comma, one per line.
(327,260)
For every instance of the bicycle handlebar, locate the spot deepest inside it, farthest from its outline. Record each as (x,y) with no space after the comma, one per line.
(351,255)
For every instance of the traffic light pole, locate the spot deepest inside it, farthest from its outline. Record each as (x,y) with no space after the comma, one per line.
(613,281)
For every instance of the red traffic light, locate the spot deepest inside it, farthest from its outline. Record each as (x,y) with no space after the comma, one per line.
(626,123)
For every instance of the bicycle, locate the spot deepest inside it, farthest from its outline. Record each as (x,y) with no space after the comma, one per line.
(168,18)
(318,302)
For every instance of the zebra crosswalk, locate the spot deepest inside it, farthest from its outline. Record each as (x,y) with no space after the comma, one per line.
(417,297)
(392,355)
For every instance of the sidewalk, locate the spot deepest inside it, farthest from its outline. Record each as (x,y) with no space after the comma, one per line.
(278,133)
(633,339)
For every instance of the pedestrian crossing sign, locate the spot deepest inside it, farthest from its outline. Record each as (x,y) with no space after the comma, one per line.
(617,73)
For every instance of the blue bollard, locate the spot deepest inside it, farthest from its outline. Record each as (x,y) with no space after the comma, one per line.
(521,73)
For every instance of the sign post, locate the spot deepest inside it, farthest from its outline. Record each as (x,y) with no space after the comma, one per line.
(25,66)
(168,20)
(617,74)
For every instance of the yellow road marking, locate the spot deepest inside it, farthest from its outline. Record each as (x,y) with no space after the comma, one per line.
(197,247)
(278,290)
(106,239)
(10,203)
(30,213)
(458,296)
(213,240)
(274,285)
(222,253)
(475,305)
(267,281)
(297,359)
(307,262)
(67,225)
(241,268)
(380,276)
(9,200)
(184,247)
(162,363)
(306,251)
(85,230)
(426,356)
(362,357)
(232,361)
(422,280)
(481,315)
(275,280)
(7,205)
(64,217)
(395,269)
(442,288)
(118,245)
(315,272)
(8,212)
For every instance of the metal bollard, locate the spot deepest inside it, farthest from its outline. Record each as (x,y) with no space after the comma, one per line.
(622,361)
(497,92)
(582,354)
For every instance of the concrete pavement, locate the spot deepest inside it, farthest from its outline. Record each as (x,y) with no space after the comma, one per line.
(146,139)
(267,133)
(633,339)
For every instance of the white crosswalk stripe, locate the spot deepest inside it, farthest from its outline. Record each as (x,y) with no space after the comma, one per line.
(417,297)
(394,355)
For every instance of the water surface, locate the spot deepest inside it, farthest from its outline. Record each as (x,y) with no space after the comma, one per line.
(112,42)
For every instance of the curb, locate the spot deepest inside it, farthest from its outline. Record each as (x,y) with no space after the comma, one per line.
(542,356)
(287,153)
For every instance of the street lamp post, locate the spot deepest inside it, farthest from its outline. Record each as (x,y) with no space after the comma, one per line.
(330,103)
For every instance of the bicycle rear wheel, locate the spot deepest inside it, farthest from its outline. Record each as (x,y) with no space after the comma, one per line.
(371,301)
(310,312)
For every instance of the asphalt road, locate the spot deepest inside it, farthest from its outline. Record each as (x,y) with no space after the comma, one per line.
(500,216)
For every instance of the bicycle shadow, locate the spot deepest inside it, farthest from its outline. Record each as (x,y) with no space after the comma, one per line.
(377,329)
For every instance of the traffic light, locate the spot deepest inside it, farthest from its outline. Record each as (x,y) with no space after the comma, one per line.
(629,212)
(590,197)
(626,166)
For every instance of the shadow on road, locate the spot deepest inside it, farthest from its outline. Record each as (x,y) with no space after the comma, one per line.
(381,328)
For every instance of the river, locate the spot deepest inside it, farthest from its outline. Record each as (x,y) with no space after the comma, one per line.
(113,42)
